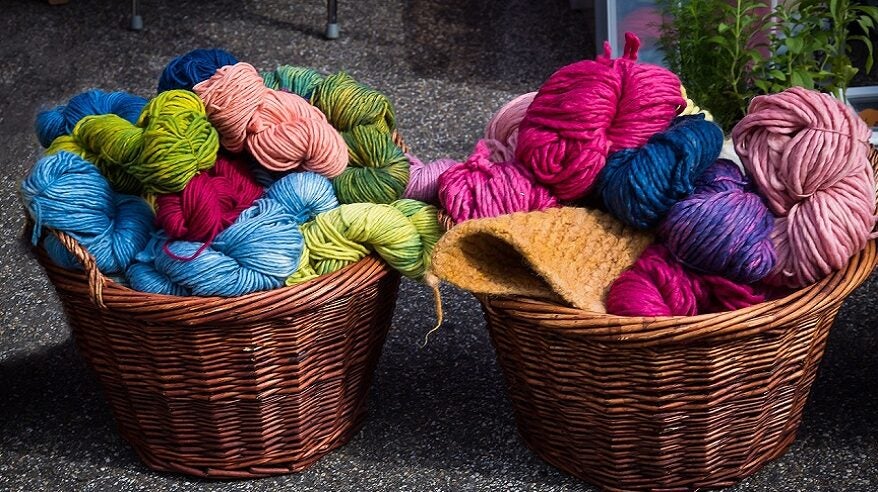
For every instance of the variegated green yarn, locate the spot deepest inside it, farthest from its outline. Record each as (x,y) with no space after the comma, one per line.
(298,80)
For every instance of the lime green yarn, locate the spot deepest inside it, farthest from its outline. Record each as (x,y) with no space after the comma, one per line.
(110,143)
(172,141)
(401,233)
(306,271)
(377,172)
(348,104)
(298,80)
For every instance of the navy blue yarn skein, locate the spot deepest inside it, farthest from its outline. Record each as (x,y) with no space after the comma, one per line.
(184,71)
(723,228)
(65,192)
(60,120)
(639,186)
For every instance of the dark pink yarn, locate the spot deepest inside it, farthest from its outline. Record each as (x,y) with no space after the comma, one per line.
(479,188)
(209,203)
(659,285)
(590,108)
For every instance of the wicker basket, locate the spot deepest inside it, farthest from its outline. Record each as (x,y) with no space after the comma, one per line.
(666,403)
(256,385)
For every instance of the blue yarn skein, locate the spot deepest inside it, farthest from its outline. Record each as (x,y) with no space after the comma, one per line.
(723,228)
(257,252)
(185,71)
(639,186)
(303,194)
(65,192)
(53,123)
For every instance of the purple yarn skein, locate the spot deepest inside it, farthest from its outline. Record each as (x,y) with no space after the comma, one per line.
(723,228)
(423,182)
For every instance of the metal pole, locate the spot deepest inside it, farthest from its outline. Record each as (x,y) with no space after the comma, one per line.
(136,20)
(331,19)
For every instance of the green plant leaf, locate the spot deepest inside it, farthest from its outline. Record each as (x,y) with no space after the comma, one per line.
(777,74)
(795,45)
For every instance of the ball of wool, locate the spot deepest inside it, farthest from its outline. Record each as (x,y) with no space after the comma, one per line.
(298,80)
(60,120)
(658,285)
(502,131)
(378,170)
(423,182)
(639,186)
(184,71)
(479,188)
(303,195)
(345,235)
(723,228)
(257,252)
(348,104)
(588,109)
(68,194)
(280,129)
(172,141)
(807,155)
(209,203)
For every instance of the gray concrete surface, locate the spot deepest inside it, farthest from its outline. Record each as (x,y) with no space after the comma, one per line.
(439,419)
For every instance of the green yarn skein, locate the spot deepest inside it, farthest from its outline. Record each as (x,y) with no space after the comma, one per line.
(348,104)
(377,171)
(402,233)
(171,143)
(298,80)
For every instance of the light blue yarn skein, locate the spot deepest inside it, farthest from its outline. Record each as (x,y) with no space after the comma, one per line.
(67,193)
(304,194)
(257,252)
(60,120)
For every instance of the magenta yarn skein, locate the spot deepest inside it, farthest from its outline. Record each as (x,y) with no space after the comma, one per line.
(807,152)
(590,108)
(479,188)
(659,285)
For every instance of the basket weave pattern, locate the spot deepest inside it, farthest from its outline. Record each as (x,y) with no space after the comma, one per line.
(666,403)
(242,387)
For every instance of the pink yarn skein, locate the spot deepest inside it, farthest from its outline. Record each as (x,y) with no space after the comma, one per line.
(588,109)
(807,153)
(280,129)
(479,188)
(659,285)
(501,134)
(423,182)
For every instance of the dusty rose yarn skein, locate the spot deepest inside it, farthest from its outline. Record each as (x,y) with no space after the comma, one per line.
(423,182)
(807,154)
(590,108)
(280,129)
(501,134)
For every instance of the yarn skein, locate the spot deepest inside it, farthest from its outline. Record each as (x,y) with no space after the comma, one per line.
(303,195)
(348,104)
(501,134)
(479,188)
(423,182)
(345,235)
(53,123)
(171,142)
(723,228)
(378,170)
(184,71)
(639,186)
(280,129)
(807,155)
(209,203)
(257,252)
(588,109)
(299,80)
(658,285)
(66,193)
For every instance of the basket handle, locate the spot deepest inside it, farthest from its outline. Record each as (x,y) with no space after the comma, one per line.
(96,279)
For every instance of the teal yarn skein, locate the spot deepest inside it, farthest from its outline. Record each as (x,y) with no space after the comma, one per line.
(67,193)
(298,80)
